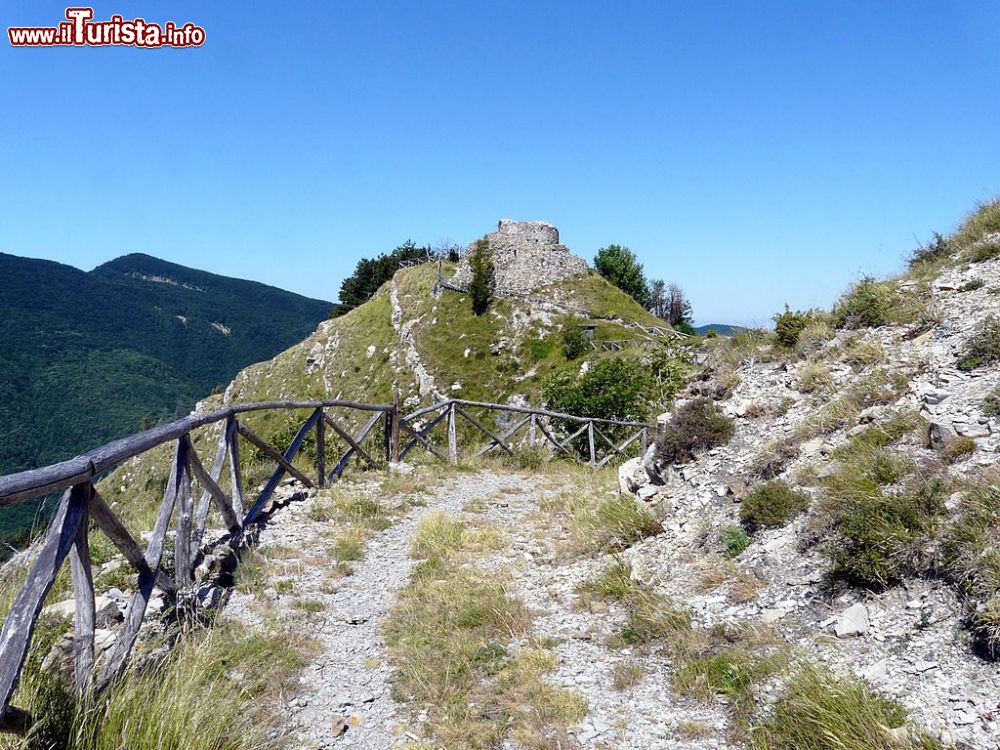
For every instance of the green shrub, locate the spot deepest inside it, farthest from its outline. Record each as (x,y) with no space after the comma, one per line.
(789,324)
(936,250)
(820,711)
(867,304)
(880,537)
(574,339)
(984,346)
(695,426)
(483,277)
(771,504)
(972,285)
(668,371)
(991,404)
(735,540)
(972,560)
(613,388)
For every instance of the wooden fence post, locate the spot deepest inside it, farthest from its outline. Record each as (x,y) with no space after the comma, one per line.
(394,440)
(645,440)
(235,467)
(321,449)
(590,442)
(452,436)
(182,544)
(83,594)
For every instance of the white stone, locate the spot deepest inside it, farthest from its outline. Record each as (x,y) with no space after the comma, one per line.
(853,621)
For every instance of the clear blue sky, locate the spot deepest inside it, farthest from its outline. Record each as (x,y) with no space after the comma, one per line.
(755,153)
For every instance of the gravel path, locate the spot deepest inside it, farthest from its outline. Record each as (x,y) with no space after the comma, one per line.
(348,680)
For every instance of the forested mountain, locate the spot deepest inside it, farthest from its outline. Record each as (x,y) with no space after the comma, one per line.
(88,357)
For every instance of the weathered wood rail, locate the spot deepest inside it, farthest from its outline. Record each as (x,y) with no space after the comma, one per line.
(385,435)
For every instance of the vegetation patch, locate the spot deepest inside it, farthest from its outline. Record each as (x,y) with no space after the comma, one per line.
(985,220)
(771,504)
(735,540)
(449,638)
(820,711)
(984,346)
(882,535)
(695,426)
(216,690)
(871,303)
(603,522)
(972,560)
(991,404)
(651,615)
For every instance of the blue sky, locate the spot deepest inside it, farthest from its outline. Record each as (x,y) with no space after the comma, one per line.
(755,153)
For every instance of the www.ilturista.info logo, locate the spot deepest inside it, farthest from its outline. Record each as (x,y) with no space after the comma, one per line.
(80,30)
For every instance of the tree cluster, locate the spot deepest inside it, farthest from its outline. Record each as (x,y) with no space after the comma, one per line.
(372,273)
(621,267)
(483,277)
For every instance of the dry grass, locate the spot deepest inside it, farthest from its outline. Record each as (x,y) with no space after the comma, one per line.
(716,573)
(217,690)
(820,711)
(815,377)
(601,522)
(449,637)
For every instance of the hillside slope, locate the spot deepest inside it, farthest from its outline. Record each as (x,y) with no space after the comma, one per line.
(87,356)
(427,343)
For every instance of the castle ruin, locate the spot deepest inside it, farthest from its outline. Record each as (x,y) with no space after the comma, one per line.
(527,255)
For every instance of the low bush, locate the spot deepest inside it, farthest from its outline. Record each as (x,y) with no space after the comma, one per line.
(821,711)
(864,353)
(770,505)
(614,388)
(651,616)
(815,377)
(867,304)
(574,339)
(991,404)
(972,560)
(972,285)
(984,346)
(694,427)
(938,249)
(788,325)
(881,536)
(814,336)
(957,449)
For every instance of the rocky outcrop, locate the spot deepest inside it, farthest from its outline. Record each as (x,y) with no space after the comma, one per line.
(527,255)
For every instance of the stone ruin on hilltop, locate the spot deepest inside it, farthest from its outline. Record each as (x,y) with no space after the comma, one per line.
(527,255)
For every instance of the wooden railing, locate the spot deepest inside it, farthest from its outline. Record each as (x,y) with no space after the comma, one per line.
(68,533)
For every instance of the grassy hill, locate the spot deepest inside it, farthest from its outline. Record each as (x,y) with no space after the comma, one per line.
(88,356)
(408,327)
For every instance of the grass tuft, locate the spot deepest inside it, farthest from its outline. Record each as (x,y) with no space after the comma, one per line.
(820,711)
(771,504)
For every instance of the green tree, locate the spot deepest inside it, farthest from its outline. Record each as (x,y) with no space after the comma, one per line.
(483,277)
(619,265)
(371,273)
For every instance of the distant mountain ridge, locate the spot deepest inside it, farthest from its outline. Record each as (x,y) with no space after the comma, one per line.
(723,329)
(88,356)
